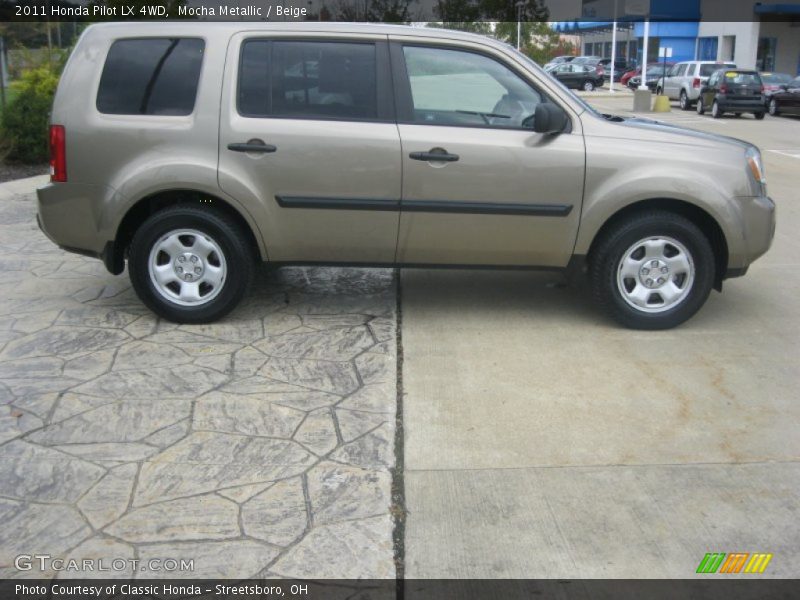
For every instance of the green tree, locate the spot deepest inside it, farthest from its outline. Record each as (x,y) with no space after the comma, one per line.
(25,120)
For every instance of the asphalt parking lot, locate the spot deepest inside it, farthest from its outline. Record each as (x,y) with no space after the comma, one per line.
(541,440)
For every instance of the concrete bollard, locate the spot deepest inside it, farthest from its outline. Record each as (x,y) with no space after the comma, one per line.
(642,100)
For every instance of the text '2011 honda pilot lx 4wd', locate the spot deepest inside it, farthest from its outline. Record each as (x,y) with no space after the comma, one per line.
(195,149)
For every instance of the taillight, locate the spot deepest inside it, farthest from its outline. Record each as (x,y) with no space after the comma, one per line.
(696,82)
(58,154)
(723,89)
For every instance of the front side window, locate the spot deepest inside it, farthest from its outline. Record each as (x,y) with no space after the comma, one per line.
(454,87)
(308,80)
(153,76)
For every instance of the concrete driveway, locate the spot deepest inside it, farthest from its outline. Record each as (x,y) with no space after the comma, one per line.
(261,445)
(543,441)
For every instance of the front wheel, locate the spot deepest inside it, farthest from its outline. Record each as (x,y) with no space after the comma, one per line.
(701,109)
(759,116)
(773,108)
(190,264)
(653,270)
(716,111)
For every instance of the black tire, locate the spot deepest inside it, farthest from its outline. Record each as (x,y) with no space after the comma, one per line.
(608,251)
(716,111)
(238,255)
(588,86)
(759,116)
(701,109)
(684,101)
(773,108)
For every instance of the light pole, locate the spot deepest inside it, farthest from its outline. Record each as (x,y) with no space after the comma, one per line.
(520,4)
(613,49)
(643,85)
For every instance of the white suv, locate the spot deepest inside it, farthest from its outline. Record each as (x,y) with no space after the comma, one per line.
(685,79)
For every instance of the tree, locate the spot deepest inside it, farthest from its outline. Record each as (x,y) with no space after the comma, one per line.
(539,41)
(508,11)
(389,11)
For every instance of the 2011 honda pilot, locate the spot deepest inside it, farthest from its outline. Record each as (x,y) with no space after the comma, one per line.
(193,150)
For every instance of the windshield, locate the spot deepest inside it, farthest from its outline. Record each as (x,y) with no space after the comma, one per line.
(708,69)
(776,78)
(527,60)
(739,78)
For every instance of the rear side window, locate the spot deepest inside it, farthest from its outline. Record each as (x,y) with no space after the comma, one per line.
(153,76)
(308,80)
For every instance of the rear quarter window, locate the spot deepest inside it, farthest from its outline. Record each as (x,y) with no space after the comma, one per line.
(151,76)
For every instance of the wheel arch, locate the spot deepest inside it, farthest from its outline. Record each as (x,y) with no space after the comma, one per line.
(704,220)
(140,210)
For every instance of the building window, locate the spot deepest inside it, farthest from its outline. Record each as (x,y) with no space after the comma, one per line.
(765,58)
(707,48)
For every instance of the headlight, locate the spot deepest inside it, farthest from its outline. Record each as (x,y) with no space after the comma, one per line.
(757,170)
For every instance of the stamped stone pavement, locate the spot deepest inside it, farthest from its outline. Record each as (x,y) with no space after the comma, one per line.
(258,446)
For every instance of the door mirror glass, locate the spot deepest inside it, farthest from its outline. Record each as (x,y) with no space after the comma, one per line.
(548,119)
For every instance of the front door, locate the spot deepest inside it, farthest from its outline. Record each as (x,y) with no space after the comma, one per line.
(479,186)
(309,144)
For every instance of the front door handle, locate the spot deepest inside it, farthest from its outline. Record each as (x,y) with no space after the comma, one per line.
(434,155)
(253,145)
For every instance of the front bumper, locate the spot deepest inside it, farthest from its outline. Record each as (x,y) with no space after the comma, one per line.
(758,228)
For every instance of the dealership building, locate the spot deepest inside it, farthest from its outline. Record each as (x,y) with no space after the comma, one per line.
(760,35)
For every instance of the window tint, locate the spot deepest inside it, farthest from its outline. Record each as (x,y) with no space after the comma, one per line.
(681,70)
(154,76)
(308,79)
(452,87)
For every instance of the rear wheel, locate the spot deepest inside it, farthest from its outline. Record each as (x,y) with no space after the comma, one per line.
(654,270)
(190,264)
(773,108)
(588,86)
(701,109)
(759,116)
(716,111)
(684,101)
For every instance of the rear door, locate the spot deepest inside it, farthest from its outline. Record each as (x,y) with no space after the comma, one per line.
(308,141)
(479,186)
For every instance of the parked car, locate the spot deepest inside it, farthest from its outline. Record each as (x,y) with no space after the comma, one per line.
(787,101)
(684,80)
(629,74)
(592,61)
(654,74)
(193,149)
(732,90)
(559,60)
(578,76)
(621,67)
(774,82)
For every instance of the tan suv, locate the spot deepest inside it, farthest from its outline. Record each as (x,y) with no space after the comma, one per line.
(195,149)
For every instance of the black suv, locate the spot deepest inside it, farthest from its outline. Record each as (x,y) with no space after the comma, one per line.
(732,90)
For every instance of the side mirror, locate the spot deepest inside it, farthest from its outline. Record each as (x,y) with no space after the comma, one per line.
(784,86)
(549,119)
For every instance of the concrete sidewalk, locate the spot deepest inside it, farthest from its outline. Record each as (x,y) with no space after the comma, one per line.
(541,440)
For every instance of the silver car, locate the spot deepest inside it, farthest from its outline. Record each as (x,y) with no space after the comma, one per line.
(684,80)
(192,150)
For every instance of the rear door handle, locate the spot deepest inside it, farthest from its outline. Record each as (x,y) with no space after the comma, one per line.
(252,146)
(435,155)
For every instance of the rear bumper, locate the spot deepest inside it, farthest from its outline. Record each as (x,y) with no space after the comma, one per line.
(67,216)
(755,104)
